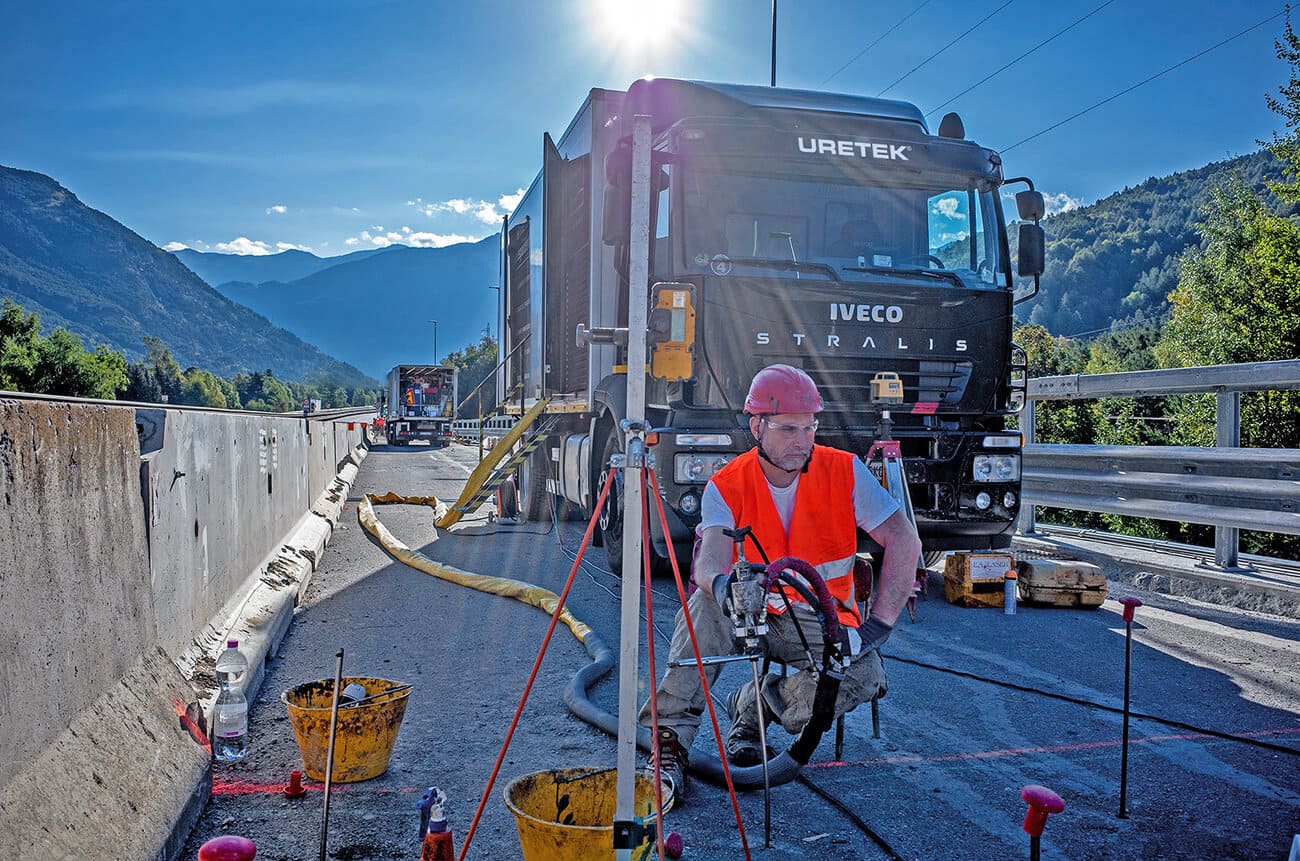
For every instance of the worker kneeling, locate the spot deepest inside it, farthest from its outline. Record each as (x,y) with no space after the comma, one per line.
(802,500)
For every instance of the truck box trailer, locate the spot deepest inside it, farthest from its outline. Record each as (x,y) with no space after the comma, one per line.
(419,403)
(830,232)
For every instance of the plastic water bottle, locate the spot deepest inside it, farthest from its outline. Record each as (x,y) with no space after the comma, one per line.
(1009,593)
(230,714)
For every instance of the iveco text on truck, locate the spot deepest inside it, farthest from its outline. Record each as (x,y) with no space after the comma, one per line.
(419,403)
(830,232)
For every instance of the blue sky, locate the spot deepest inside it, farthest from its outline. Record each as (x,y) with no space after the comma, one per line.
(339,126)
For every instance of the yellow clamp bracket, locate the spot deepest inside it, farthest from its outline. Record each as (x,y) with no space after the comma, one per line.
(672,331)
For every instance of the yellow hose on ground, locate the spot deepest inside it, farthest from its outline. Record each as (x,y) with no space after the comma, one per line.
(543,599)
(489,462)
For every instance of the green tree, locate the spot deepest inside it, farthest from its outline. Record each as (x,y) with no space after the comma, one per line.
(473,365)
(1238,300)
(1286,145)
(55,365)
(203,389)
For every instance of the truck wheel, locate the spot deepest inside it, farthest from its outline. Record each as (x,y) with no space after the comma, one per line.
(532,486)
(933,557)
(611,514)
(507,499)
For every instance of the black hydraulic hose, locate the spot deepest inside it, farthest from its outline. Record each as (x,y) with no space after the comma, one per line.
(787,765)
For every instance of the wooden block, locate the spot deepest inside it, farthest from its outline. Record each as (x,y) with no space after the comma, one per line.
(1088,599)
(968,593)
(978,566)
(1057,574)
(975,579)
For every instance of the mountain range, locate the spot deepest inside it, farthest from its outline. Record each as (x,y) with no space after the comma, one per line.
(79,269)
(372,308)
(1115,261)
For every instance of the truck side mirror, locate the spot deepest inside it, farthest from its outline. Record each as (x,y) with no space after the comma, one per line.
(615,224)
(1030,205)
(1032,250)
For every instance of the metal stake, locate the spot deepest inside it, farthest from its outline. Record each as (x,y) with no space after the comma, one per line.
(329,762)
(1130,606)
(633,497)
(762,750)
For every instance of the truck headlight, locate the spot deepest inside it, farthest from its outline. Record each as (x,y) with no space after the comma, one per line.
(697,467)
(996,467)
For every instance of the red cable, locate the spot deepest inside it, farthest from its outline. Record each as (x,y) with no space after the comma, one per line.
(555,618)
(699,663)
(654,700)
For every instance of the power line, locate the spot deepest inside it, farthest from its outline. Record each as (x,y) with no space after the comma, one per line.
(946,47)
(1159,74)
(1021,57)
(924,3)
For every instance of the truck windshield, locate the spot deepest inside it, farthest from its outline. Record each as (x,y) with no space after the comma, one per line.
(945,231)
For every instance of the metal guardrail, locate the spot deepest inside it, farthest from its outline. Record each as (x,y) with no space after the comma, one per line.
(468,429)
(1225,486)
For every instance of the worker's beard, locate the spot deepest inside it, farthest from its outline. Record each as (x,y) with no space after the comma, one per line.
(790,461)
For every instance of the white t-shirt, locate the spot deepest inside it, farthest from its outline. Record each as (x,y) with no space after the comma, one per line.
(871,504)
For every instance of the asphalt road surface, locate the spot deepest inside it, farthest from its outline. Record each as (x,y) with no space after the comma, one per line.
(980,704)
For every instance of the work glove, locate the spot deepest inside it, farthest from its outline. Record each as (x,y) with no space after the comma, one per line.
(873,634)
(721,589)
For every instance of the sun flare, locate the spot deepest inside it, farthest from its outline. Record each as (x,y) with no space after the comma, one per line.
(639,22)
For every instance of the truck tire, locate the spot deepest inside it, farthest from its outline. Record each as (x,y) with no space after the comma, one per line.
(533,496)
(507,498)
(611,516)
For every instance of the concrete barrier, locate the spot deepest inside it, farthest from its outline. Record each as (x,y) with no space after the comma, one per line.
(118,577)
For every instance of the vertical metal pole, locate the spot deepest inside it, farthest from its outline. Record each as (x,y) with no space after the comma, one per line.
(1123,750)
(633,497)
(1025,523)
(1035,852)
(774,43)
(1227,434)
(329,757)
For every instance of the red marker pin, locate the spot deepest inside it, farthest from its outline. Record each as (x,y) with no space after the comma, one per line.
(295,788)
(228,848)
(1041,801)
(1130,607)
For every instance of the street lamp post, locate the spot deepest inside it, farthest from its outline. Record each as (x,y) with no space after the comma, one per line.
(497,287)
(435,341)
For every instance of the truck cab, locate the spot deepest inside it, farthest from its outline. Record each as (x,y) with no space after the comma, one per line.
(830,232)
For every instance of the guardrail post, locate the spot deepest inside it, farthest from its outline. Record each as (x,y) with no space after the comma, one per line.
(1025,522)
(1227,434)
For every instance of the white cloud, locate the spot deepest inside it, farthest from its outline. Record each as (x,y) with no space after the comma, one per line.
(407,236)
(278,209)
(175,246)
(1061,202)
(947,207)
(1052,204)
(485,211)
(289,246)
(508,202)
(244,245)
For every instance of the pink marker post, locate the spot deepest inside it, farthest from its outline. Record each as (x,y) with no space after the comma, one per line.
(1041,801)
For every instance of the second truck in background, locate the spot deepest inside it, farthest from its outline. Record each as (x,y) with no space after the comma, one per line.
(419,403)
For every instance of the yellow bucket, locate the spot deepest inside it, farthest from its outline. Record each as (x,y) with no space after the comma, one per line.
(365,735)
(568,814)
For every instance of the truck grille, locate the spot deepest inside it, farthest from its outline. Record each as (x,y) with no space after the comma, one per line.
(846,383)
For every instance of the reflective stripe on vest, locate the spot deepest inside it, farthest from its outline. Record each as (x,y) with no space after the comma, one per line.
(823,526)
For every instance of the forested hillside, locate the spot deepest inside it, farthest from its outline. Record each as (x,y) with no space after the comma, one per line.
(1116,261)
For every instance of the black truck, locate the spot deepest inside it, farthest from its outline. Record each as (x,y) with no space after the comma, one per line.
(830,232)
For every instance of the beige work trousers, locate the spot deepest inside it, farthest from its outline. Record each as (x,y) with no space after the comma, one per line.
(680,696)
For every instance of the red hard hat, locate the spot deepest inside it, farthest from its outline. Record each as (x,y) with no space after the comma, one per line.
(782,389)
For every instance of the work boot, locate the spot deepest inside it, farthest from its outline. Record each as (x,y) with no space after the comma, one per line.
(672,763)
(743,747)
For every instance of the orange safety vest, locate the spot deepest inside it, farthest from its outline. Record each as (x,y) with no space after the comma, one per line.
(823,527)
